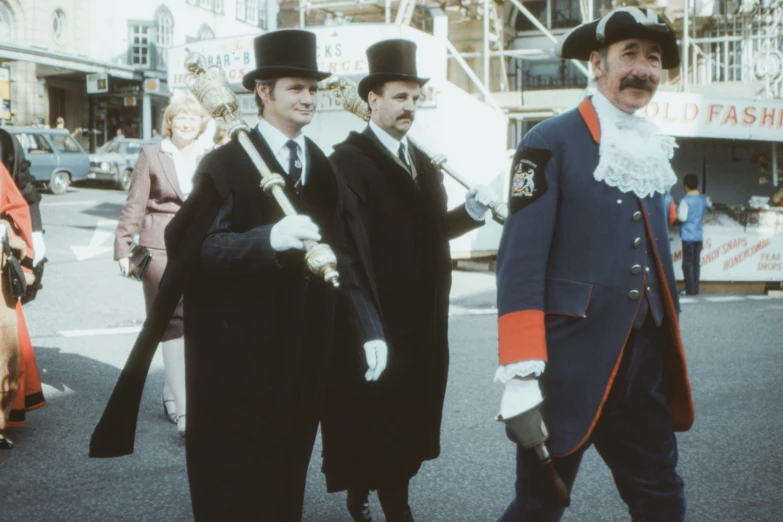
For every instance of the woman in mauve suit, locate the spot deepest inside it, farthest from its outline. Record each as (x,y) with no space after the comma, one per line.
(162,179)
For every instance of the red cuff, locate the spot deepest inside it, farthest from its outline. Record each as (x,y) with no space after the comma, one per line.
(522,337)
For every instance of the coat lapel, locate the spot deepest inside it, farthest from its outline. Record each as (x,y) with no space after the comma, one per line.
(170,172)
(370,134)
(590,117)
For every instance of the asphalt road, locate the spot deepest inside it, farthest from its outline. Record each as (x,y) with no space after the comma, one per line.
(730,460)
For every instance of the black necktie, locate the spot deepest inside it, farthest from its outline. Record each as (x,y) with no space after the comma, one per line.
(294,165)
(401,155)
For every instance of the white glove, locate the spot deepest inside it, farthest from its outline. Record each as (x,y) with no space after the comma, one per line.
(289,232)
(39,247)
(477,201)
(519,397)
(376,353)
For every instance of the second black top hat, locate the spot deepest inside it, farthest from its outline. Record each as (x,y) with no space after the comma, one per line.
(390,60)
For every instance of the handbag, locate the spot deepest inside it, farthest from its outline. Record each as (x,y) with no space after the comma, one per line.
(140,258)
(17,285)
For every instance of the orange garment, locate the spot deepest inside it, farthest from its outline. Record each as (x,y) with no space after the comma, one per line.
(672,213)
(30,394)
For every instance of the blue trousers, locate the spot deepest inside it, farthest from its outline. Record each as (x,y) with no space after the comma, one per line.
(691,265)
(633,436)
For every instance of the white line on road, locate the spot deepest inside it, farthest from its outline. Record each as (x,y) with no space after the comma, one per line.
(67,203)
(459,310)
(761,297)
(725,298)
(100,331)
(687,300)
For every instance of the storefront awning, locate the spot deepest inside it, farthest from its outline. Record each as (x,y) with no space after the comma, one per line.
(11,52)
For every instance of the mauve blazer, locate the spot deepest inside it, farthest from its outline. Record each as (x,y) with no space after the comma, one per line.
(154,195)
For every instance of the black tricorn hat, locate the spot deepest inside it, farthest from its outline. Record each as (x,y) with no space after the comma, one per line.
(285,53)
(624,23)
(390,60)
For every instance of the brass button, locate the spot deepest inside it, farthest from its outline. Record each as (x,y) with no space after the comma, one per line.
(648,288)
(636,269)
(647,269)
(634,294)
(637,242)
(637,216)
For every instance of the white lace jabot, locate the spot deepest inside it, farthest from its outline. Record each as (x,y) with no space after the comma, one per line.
(632,155)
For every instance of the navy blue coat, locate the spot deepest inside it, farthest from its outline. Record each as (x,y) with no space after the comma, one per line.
(566,291)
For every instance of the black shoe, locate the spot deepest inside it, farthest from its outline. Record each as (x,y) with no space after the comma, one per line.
(403,516)
(359,505)
(5,443)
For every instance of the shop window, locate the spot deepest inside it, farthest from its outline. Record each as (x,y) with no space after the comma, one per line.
(139,44)
(64,143)
(6,23)
(216,6)
(58,25)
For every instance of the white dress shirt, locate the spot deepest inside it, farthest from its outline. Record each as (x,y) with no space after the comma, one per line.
(277,140)
(185,162)
(390,142)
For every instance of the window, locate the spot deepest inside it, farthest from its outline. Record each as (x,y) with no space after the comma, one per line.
(35,144)
(164,20)
(58,25)
(6,23)
(247,11)
(139,44)
(205,32)
(64,143)
(133,148)
(216,6)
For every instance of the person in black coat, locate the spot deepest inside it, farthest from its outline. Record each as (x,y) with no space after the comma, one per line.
(258,325)
(396,420)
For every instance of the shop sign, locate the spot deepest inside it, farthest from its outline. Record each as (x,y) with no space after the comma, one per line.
(696,115)
(731,252)
(340,50)
(128,101)
(151,85)
(97,83)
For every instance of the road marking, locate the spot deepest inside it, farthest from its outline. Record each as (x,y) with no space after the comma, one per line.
(725,298)
(760,297)
(104,231)
(51,392)
(687,300)
(100,331)
(460,310)
(67,203)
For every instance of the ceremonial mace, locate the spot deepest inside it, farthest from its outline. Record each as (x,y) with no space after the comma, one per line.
(344,91)
(211,88)
(529,431)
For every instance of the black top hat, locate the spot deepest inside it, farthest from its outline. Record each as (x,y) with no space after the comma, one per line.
(621,24)
(390,60)
(289,52)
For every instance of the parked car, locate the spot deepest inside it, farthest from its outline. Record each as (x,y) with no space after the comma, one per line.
(115,159)
(56,159)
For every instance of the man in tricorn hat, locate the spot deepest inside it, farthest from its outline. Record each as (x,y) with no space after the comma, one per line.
(587,300)
(258,326)
(402,202)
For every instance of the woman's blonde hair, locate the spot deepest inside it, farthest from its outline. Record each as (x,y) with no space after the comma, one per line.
(184,102)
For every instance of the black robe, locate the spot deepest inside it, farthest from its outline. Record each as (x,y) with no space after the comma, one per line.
(377,434)
(257,341)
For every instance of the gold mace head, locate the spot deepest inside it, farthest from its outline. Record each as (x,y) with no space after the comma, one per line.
(210,87)
(345,92)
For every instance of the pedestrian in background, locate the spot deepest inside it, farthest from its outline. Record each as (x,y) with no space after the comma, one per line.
(161,181)
(690,213)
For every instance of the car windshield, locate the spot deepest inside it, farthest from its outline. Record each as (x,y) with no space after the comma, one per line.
(112,146)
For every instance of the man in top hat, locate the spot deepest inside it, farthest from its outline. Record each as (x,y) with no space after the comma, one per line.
(587,300)
(377,434)
(258,325)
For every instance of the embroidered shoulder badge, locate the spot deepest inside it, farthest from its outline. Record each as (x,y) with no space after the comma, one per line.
(528,177)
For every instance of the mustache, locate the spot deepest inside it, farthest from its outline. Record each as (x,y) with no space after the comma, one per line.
(405,116)
(635,82)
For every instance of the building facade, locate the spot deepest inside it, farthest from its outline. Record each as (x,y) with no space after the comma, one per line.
(101,64)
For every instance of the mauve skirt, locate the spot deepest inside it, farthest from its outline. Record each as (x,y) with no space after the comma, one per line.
(176,327)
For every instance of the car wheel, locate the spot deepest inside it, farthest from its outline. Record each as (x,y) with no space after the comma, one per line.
(59,183)
(124,180)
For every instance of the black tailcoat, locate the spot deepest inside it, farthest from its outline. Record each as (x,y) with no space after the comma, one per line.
(378,433)
(257,341)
